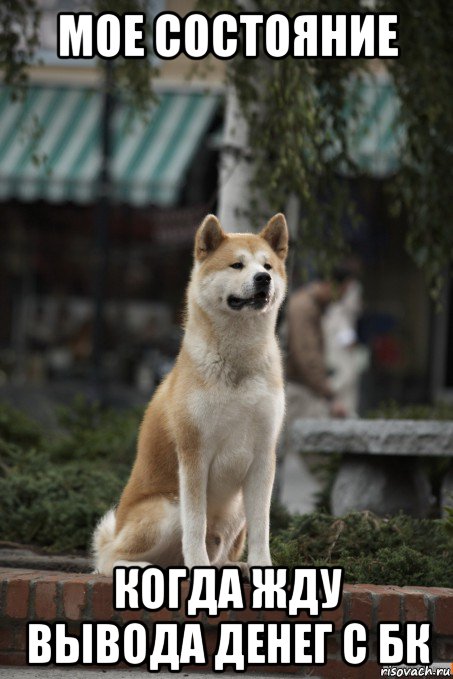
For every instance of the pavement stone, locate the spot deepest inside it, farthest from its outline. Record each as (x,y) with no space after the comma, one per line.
(77,673)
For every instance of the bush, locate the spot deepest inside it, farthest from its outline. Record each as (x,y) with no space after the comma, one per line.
(18,428)
(54,489)
(94,434)
(391,410)
(397,551)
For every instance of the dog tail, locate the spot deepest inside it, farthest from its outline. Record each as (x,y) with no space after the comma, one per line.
(102,543)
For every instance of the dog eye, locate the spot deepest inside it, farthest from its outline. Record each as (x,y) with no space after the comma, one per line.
(268,267)
(237,265)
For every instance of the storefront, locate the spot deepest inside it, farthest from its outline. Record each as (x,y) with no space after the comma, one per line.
(163,178)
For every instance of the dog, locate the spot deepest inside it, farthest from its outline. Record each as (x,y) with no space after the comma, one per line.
(205,463)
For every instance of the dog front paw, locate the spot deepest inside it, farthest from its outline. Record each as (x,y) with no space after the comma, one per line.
(196,561)
(243,566)
(263,561)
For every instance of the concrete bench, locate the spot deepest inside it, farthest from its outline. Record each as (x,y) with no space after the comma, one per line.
(380,469)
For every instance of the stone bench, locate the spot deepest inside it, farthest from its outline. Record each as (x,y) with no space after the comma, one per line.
(380,470)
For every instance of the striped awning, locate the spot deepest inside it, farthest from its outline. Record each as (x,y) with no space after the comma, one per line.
(50,145)
(375,136)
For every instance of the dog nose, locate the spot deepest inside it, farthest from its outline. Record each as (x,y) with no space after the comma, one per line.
(262,279)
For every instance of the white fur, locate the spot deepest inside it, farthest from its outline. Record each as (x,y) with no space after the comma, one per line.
(102,541)
(238,413)
(212,291)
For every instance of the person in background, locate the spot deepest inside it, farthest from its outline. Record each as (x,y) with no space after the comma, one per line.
(309,393)
(309,390)
(346,358)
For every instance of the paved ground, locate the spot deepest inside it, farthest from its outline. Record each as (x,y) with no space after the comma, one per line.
(76,673)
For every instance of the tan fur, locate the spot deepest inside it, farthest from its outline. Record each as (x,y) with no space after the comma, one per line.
(206,449)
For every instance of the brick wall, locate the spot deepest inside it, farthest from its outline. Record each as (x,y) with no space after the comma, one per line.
(27,595)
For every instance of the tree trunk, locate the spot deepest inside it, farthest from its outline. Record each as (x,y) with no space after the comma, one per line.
(236,169)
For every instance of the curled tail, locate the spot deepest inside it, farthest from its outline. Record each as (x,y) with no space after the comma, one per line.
(102,543)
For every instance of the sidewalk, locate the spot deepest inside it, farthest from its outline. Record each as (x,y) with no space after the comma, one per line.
(86,673)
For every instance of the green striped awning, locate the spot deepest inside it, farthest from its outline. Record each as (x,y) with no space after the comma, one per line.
(375,136)
(50,145)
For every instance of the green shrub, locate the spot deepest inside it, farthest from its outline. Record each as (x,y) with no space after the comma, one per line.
(52,491)
(54,506)
(17,428)
(391,410)
(92,433)
(398,551)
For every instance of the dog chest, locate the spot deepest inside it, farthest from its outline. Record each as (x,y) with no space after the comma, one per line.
(223,412)
(235,425)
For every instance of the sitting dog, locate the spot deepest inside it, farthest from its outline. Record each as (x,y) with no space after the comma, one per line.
(205,462)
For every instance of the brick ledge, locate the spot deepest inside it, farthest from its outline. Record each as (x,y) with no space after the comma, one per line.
(31,595)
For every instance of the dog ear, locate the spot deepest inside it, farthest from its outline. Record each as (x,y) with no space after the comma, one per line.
(276,234)
(209,236)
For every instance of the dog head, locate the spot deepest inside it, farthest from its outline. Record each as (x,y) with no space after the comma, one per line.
(240,273)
